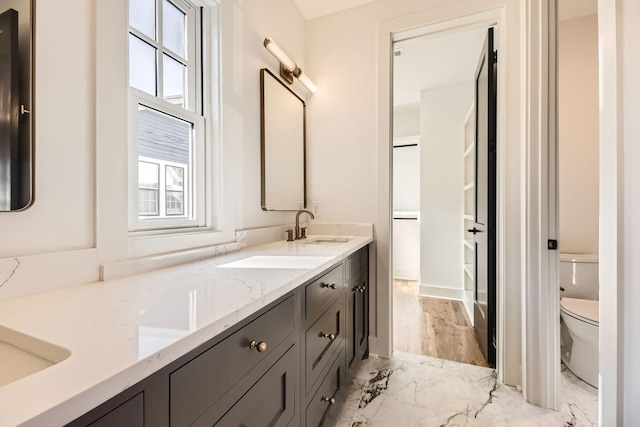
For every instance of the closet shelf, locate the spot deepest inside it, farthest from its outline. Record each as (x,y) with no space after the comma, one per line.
(469,186)
(469,243)
(469,150)
(468,268)
(467,217)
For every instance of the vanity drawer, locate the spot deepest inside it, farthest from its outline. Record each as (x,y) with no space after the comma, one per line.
(356,262)
(325,398)
(270,402)
(321,341)
(322,289)
(129,414)
(198,384)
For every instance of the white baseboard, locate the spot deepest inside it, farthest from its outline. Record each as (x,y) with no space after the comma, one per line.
(406,275)
(468,305)
(443,292)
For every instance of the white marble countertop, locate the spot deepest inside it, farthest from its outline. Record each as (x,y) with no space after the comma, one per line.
(121,331)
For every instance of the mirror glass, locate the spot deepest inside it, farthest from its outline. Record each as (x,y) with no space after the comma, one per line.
(283,145)
(16,104)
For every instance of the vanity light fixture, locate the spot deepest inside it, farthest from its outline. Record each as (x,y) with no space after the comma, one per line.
(288,68)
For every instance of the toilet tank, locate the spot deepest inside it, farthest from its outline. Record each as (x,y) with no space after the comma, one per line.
(579,276)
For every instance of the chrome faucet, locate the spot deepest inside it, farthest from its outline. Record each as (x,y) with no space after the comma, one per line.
(298,235)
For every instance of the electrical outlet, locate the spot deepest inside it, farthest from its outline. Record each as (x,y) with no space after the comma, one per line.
(315,208)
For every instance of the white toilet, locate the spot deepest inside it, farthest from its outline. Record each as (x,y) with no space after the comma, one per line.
(579,309)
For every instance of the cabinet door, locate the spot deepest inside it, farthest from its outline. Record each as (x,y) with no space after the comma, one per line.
(199,384)
(270,402)
(361,315)
(350,329)
(129,414)
(326,399)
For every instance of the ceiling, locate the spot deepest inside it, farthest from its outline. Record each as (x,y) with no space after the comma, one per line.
(570,9)
(434,61)
(567,9)
(315,8)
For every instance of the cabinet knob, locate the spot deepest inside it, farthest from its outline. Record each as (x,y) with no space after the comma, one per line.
(260,346)
(329,400)
(326,285)
(330,336)
(360,289)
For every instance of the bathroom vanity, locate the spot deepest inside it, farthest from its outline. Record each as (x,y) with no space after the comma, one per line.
(277,353)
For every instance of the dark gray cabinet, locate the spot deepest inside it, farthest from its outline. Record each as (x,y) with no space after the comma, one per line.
(326,397)
(283,366)
(270,402)
(357,309)
(322,340)
(129,414)
(200,383)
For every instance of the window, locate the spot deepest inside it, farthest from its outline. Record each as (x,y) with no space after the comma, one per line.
(168,141)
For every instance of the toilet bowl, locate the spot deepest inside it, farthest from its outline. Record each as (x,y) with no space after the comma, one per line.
(579,320)
(579,334)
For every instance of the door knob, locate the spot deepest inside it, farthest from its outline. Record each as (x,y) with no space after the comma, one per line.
(474,230)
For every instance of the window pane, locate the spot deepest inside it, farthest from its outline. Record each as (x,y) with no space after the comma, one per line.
(175,205)
(175,177)
(142,65)
(148,175)
(142,16)
(173,81)
(169,140)
(147,202)
(173,28)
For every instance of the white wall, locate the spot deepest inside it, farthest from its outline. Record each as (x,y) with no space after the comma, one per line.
(406,120)
(63,238)
(62,216)
(578,134)
(442,114)
(406,199)
(630,295)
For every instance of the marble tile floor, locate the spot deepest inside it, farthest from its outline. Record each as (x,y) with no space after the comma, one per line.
(414,390)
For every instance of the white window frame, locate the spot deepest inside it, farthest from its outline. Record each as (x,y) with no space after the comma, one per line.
(193,112)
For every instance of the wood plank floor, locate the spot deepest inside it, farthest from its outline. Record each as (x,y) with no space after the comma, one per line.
(432,327)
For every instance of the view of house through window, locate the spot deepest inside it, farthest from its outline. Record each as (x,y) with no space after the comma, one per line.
(164,79)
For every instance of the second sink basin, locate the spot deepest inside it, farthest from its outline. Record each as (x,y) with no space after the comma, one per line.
(23,355)
(278,261)
(326,240)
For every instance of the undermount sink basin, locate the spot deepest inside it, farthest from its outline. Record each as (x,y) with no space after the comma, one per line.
(23,355)
(326,240)
(278,261)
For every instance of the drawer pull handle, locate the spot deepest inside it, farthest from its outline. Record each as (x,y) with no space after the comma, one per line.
(329,400)
(330,336)
(326,285)
(260,346)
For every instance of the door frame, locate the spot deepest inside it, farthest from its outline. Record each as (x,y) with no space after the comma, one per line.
(527,344)
(611,396)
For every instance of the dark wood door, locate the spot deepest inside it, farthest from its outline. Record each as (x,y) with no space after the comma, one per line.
(485,200)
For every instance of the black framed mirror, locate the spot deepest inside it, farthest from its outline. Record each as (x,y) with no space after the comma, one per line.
(16,104)
(283,145)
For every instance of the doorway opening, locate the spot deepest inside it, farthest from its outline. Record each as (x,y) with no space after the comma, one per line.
(444,195)
(578,197)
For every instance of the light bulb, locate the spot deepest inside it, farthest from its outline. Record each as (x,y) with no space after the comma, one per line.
(306,81)
(280,55)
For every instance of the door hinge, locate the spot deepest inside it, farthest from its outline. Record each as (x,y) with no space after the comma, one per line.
(495,56)
(552,245)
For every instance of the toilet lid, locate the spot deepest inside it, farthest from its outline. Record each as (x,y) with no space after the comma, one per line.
(584,309)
